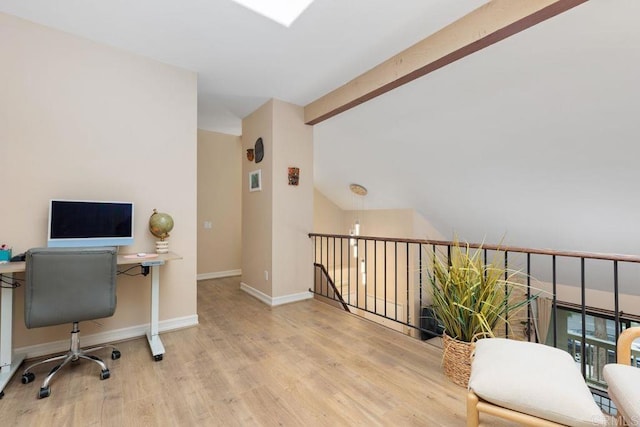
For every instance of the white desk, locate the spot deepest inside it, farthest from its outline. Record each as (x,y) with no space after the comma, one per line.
(10,362)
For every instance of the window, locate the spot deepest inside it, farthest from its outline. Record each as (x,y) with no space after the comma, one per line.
(600,341)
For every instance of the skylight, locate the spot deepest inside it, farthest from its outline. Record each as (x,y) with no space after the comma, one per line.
(283,12)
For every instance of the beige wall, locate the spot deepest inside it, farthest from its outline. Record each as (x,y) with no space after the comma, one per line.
(220,160)
(80,120)
(276,250)
(292,205)
(384,222)
(257,205)
(328,218)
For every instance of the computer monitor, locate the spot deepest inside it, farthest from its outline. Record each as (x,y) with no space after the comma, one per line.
(75,223)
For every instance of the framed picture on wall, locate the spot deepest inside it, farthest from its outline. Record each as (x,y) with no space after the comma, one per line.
(255,180)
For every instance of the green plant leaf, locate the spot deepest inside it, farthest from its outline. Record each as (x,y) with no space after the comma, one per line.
(470,297)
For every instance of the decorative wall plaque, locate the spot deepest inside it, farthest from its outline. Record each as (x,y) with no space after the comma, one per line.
(259,147)
(294,176)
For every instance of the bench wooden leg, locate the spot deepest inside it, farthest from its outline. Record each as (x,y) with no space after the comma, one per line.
(473,416)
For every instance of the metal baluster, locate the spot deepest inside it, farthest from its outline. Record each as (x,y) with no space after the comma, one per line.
(320,262)
(349,272)
(408,302)
(395,275)
(583,346)
(342,272)
(357,278)
(616,303)
(529,299)
(420,275)
(485,255)
(364,278)
(333,239)
(375,277)
(506,292)
(555,303)
(385,279)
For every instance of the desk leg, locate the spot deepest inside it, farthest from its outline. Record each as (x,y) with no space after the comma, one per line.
(9,362)
(157,349)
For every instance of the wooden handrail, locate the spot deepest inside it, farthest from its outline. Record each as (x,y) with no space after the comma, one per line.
(624,345)
(502,248)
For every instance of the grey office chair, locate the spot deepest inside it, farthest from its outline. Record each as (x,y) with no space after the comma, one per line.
(68,285)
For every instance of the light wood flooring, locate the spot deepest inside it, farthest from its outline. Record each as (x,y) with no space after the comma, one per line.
(247,364)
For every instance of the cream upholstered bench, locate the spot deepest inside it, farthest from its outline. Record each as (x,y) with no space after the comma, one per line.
(529,383)
(624,380)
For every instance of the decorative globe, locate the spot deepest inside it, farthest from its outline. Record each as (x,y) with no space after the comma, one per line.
(160,224)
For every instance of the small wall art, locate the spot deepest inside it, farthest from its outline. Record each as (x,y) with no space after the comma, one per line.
(294,176)
(255,180)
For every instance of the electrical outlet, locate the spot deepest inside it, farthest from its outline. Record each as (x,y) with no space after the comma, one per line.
(207,224)
(266,275)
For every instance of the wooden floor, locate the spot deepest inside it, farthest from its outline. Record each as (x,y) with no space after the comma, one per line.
(247,364)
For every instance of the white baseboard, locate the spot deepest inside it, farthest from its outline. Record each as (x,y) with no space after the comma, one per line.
(219,274)
(286,299)
(256,293)
(107,336)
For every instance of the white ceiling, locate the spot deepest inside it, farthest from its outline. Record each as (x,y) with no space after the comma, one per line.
(242,58)
(533,139)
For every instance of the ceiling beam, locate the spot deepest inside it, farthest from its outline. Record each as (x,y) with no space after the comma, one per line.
(490,23)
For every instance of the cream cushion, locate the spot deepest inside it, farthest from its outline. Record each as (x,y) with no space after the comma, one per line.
(624,390)
(534,379)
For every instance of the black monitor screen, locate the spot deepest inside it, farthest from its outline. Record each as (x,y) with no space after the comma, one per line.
(71,219)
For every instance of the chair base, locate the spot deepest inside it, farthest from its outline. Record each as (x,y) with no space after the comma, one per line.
(74,354)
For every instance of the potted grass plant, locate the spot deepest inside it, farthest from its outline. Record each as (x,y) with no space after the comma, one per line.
(471,298)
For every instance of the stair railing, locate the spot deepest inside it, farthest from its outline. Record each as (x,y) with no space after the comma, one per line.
(384,279)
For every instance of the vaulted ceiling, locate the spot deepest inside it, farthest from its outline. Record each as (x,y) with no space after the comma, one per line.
(533,138)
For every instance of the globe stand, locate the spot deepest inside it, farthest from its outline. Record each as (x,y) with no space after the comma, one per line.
(162,247)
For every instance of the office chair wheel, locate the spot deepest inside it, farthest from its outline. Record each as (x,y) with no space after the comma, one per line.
(105,374)
(157,357)
(115,354)
(28,377)
(44,392)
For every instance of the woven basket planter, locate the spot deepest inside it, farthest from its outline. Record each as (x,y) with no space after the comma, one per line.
(456,361)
